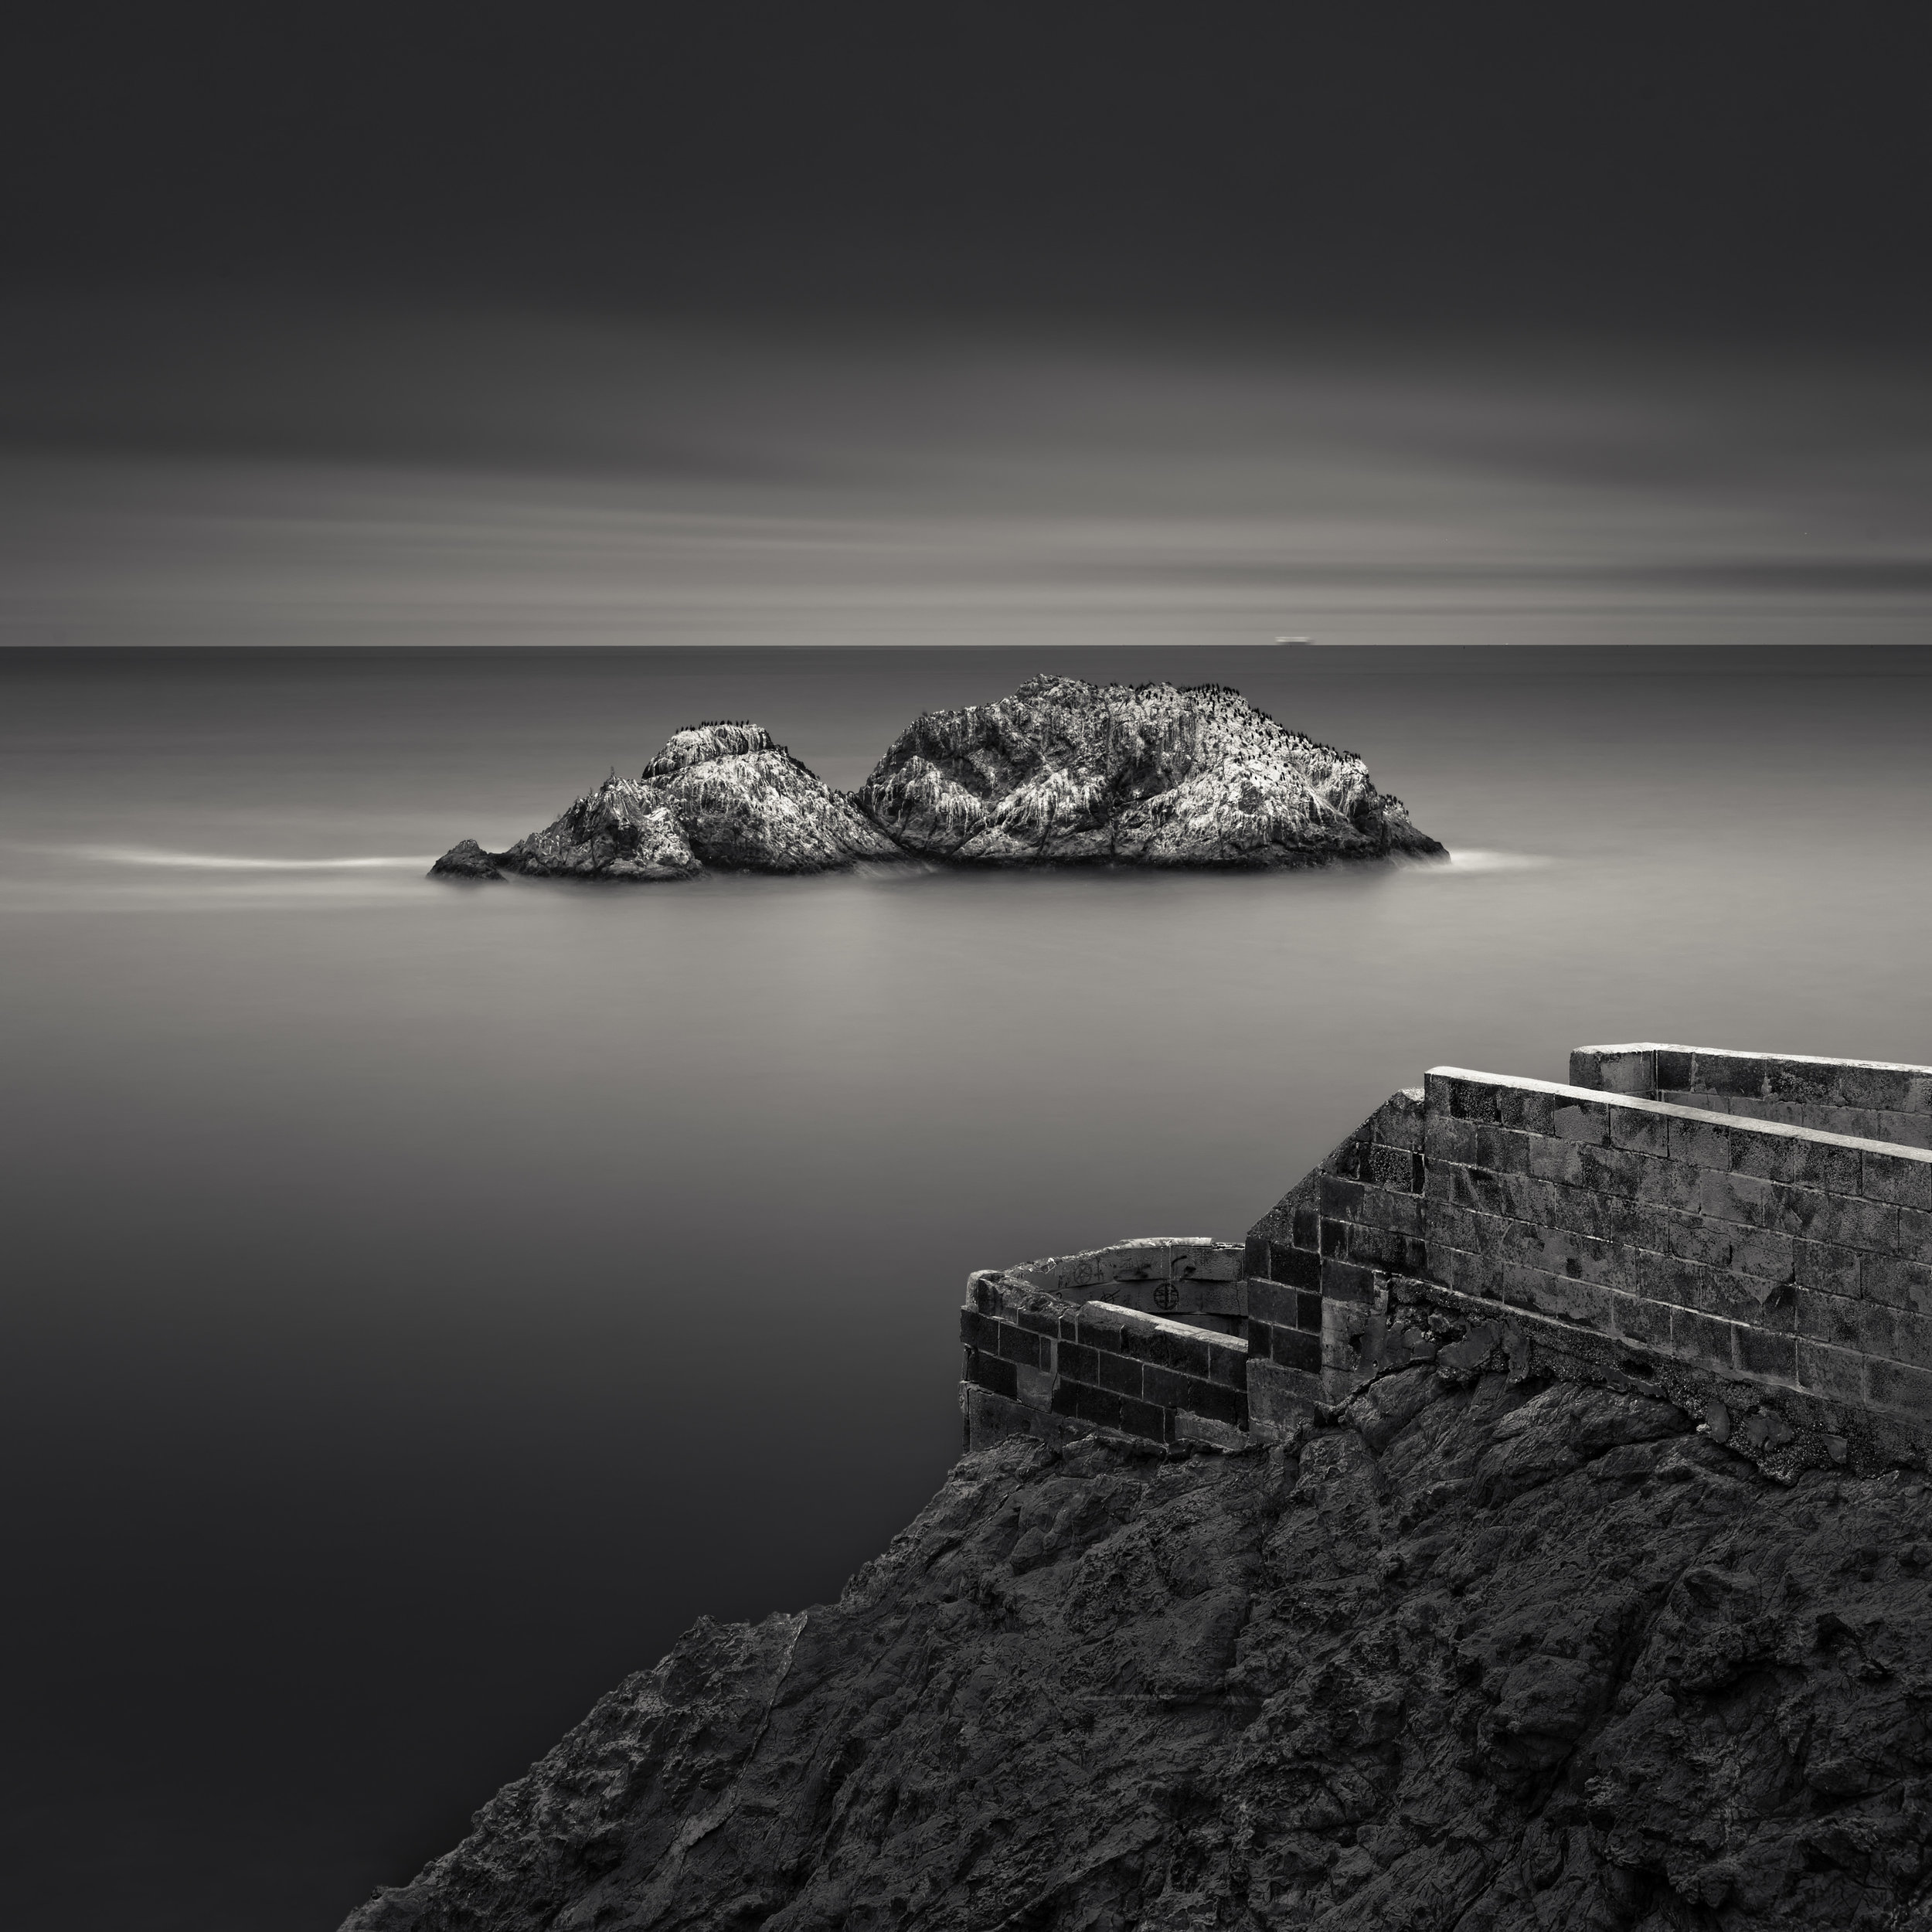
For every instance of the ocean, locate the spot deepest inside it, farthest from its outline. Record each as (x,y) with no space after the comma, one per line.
(424,1301)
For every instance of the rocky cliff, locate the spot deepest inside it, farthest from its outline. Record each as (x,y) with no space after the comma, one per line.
(1474,1655)
(724,795)
(1144,774)
(1062,770)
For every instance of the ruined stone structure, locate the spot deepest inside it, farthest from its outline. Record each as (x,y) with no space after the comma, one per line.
(1748,1235)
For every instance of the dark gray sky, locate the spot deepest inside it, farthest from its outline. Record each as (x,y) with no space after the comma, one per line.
(742,323)
(1714,166)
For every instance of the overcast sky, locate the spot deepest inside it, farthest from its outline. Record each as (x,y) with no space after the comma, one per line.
(715,322)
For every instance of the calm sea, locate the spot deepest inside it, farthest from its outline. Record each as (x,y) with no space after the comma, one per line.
(423,1301)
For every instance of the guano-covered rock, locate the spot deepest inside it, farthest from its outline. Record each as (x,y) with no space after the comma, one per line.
(1146,774)
(723,794)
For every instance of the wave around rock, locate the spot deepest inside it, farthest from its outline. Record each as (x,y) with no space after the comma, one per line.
(1063,771)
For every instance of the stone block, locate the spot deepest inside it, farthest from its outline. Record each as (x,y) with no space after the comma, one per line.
(1762,1353)
(1099,1328)
(1912,1238)
(1836,1374)
(1299,1268)
(1703,1338)
(1818,1264)
(1036,1321)
(1640,1130)
(1718,1292)
(1904,1178)
(1280,1400)
(1399,1169)
(1398,1121)
(1036,1387)
(1900,1387)
(1640,1322)
(1852,1222)
(1740,1074)
(1080,1363)
(1462,1100)
(1145,1420)
(1704,1144)
(1228,1366)
(1470,1274)
(1340,1199)
(1346,1281)
(1673,1067)
(1505,1151)
(1030,1351)
(1295,1349)
(1798,1159)
(978,1331)
(1307,1312)
(1228,1406)
(1212,1435)
(1896,1334)
(1273,1302)
(986,1370)
(1900,1283)
(1401,1213)
(1558,1296)
(1256,1258)
(1121,1374)
(1629,1070)
(1445,1138)
(1733,1246)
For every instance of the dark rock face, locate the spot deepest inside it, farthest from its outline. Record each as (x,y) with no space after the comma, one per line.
(467,860)
(721,795)
(1146,774)
(1481,1656)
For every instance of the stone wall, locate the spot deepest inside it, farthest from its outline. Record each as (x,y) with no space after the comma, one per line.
(1059,1343)
(1871,1099)
(1774,1276)
(1764,1254)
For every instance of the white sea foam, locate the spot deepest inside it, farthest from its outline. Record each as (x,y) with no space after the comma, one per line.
(233,862)
(1474,860)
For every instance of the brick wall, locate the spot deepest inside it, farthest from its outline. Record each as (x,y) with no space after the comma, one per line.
(1872,1100)
(1773,1254)
(1774,1275)
(1052,1344)
(1317,1261)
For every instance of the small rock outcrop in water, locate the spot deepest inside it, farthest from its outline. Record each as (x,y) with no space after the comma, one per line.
(1062,770)
(1145,774)
(722,794)
(1473,1655)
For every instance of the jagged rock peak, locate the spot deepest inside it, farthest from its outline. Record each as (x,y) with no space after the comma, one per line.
(1150,774)
(716,738)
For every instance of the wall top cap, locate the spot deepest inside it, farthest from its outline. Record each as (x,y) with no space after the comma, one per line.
(1737,1123)
(1740,1054)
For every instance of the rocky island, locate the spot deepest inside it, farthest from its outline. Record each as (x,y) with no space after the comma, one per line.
(1063,771)
(1483,1546)
(724,793)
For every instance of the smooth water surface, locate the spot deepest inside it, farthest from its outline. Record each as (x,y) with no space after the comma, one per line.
(424,1301)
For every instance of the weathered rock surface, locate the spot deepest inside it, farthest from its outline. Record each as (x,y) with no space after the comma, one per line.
(722,794)
(1146,774)
(467,859)
(1481,1656)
